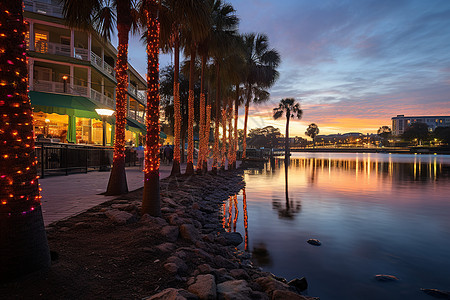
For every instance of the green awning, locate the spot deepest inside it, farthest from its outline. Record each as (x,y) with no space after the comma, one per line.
(77,106)
(135,126)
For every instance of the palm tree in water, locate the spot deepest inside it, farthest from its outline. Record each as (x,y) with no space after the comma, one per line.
(291,109)
(23,243)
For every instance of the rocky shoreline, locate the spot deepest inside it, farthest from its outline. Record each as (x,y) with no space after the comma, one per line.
(111,251)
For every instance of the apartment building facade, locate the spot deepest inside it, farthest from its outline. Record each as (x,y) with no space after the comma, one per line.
(400,123)
(71,73)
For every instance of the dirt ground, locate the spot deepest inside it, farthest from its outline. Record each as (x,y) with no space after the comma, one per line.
(95,258)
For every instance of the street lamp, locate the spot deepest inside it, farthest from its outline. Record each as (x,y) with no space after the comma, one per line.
(104,113)
(65,77)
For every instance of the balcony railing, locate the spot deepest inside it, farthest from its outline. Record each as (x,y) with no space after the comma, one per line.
(81,53)
(43,8)
(142,96)
(105,100)
(58,87)
(52,48)
(99,62)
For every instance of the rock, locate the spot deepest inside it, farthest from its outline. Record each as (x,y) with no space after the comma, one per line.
(171,267)
(146,218)
(234,290)
(233,238)
(120,216)
(314,242)
(222,262)
(173,294)
(300,284)
(170,202)
(204,268)
(127,207)
(437,293)
(63,229)
(83,225)
(166,247)
(181,266)
(239,274)
(204,287)
(195,206)
(283,295)
(189,232)
(256,295)
(170,233)
(269,284)
(383,277)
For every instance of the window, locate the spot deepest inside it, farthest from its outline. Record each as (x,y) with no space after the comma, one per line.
(41,41)
(65,40)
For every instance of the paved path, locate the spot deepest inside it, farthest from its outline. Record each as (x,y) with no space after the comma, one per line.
(65,196)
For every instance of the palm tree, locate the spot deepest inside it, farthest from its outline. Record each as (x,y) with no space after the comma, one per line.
(260,70)
(23,242)
(101,15)
(193,36)
(291,109)
(222,42)
(151,199)
(312,131)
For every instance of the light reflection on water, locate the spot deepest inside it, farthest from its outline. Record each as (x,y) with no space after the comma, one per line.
(373,213)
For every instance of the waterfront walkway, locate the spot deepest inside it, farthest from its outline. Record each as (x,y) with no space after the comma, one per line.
(65,196)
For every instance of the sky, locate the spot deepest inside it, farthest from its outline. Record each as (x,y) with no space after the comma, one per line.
(352,65)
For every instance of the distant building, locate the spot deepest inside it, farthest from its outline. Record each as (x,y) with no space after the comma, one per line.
(400,122)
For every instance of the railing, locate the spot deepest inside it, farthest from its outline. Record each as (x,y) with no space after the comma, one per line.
(99,62)
(64,159)
(81,53)
(142,95)
(134,115)
(98,97)
(58,87)
(43,8)
(52,48)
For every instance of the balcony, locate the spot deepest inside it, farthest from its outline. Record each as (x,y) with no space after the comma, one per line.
(100,63)
(58,87)
(105,100)
(43,8)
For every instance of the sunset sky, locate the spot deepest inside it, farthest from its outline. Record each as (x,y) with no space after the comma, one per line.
(352,64)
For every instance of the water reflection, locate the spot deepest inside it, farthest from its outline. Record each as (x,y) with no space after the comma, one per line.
(374,213)
(290,207)
(230,215)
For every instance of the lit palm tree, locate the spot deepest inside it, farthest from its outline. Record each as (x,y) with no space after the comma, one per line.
(151,199)
(178,17)
(101,15)
(312,131)
(291,109)
(260,70)
(223,40)
(23,243)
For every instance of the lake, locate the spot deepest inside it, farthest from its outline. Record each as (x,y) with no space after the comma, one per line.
(373,213)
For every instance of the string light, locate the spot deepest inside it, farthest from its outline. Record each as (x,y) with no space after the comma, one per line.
(19,193)
(177,125)
(230,137)
(201,154)
(152,145)
(224,138)
(244,142)
(190,150)
(206,132)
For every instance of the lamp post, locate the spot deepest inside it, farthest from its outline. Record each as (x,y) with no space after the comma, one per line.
(65,77)
(104,113)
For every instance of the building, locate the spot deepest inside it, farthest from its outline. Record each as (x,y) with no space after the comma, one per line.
(71,73)
(400,123)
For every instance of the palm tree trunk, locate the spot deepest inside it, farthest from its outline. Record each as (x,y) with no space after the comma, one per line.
(201,147)
(151,199)
(176,106)
(287,155)
(217,119)
(236,116)
(207,131)
(244,142)
(23,242)
(117,184)
(247,104)
(223,152)
(190,150)
(230,135)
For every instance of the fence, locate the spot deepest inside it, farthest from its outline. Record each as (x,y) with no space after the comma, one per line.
(64,159)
